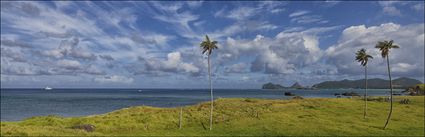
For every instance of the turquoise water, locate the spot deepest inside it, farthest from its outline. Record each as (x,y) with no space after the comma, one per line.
(18,104)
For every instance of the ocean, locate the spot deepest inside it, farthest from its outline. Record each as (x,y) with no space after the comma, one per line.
(19,104)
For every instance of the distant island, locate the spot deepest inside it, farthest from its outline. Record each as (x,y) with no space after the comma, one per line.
(272,86)
(296,85)
(375,83)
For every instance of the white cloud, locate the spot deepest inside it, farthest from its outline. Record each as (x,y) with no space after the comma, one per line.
(171,13)
(151,39)
(405,61)
(245,78)
(13,54)
(17,68)
(69,64)
(272,6)
(14,43)
(389,8)
(244,13)
(194,4)
(243,26)
(309,19)
(299,13)
(418,7)
(174,63)
(114,79)
(277,10)
(241,13)
(237,68)
(283,54)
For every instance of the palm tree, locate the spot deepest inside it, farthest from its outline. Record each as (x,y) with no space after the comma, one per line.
(384,47)
(207,47)
(363,58)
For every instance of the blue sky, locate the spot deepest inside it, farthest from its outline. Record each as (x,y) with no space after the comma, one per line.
(152,44)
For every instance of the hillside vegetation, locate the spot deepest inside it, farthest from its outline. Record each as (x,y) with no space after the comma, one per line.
(238,117)
(375,83)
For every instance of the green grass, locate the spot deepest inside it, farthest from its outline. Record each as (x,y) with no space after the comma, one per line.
(259,117)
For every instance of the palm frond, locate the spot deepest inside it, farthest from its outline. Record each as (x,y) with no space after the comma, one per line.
(362,57)
(208,46)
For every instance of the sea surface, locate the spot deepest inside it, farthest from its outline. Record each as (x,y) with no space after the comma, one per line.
(19,104)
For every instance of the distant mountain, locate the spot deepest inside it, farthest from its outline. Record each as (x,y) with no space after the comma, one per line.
(296,85)
(375,83)
(272,86)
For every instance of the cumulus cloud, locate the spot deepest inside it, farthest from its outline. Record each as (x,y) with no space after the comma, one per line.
(282,54)
(406,61)
(71,49)
(173,63)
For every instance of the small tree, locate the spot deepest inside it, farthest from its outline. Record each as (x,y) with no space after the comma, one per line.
(385,47)
(363,58)
(207,47)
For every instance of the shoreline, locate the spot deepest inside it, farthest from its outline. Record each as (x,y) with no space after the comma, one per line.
(289,98)
(246,113)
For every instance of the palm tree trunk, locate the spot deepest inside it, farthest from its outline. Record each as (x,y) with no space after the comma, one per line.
(212,99)
(391,90)
(365,95)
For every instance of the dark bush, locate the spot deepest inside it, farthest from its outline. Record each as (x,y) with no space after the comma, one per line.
(297,97)
(85,127)
(289,94)
(405,101)
(379,99)
(350,94)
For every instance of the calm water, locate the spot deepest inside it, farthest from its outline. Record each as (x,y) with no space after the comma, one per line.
(18,104)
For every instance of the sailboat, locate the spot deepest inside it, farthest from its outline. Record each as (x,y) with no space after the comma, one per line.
(47,88)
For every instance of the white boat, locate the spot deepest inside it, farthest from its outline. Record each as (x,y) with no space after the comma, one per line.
(139,91)
(47,88)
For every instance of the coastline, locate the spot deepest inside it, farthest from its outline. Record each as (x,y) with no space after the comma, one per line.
(239,116)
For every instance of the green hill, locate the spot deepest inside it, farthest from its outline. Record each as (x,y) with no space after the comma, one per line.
(272,86)
(240,117)
(375,83)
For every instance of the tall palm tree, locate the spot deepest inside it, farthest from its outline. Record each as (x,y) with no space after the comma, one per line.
(384,47)
(207,47)
(363,58)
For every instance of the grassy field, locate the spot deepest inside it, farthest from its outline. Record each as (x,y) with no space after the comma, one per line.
(239,117)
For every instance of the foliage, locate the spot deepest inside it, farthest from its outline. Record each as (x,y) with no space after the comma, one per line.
(375,83)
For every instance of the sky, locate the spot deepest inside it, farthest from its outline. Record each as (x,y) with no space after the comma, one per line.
(153,44)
